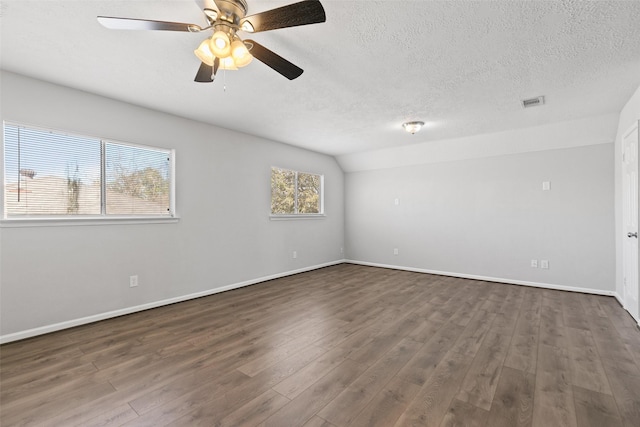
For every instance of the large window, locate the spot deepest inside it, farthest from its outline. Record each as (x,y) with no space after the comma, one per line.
(53,174)
(295,193)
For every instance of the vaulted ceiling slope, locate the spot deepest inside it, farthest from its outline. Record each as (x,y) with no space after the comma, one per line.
(460,66)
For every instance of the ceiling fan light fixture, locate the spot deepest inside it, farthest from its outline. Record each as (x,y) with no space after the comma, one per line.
(240,53)
(227,64)
(412,127)
(220,44)
(204,54)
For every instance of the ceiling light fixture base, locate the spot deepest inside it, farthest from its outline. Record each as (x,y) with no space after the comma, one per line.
(412,127)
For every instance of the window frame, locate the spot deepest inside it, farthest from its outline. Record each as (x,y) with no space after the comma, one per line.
(90,219)
(289,216)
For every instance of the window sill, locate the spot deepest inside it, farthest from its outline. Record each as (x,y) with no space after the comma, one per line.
(72,222)
(295,217)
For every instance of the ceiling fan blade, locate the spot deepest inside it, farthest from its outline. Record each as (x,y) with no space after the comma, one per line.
(204,74)
(301,13)
(273,60)
(207,73)
(114,23)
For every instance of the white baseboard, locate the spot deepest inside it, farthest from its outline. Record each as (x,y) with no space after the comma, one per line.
(618,298)
(489,279)
(128,310)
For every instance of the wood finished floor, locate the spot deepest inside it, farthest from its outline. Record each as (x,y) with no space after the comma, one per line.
(341,346)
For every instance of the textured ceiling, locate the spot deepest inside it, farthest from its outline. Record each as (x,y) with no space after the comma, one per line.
(460,66)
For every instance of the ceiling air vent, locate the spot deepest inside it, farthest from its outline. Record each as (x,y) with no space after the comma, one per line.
(532,102)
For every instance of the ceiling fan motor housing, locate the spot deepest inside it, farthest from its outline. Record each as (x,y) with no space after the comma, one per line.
(232,10)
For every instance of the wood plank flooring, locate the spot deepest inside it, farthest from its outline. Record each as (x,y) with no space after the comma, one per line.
(340,346)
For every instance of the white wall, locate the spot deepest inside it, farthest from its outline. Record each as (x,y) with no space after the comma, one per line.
(57,275)
(462,211)
(488,217)
(574,133)
(629,114)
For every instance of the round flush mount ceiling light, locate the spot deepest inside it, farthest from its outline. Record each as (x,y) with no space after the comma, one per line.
(412,127)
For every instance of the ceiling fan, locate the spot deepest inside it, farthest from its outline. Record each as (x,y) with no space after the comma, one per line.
(225,49)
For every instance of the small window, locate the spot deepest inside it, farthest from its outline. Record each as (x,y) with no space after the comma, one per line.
(52,174)
(295,193)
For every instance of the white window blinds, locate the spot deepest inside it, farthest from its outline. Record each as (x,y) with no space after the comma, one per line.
(52,174)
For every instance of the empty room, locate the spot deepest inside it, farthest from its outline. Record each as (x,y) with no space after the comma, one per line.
(319,213)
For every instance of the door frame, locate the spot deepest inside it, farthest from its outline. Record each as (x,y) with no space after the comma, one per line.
(632,306)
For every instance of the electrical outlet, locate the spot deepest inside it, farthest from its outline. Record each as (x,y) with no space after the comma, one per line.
(546,185)
(133,281)
(534,263)
(395,251)
(544,263)
(396,202)
(295,254)
(342,250)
